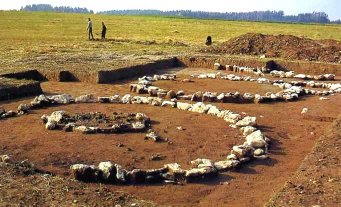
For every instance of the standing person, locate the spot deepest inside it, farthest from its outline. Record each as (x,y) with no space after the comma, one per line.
(104,31)
(90,29)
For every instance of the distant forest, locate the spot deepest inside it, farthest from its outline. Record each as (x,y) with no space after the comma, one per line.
(262,16)
(48,7)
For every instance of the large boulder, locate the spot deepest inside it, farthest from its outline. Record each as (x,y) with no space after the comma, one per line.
(23,108)
(258,99)
(258,152)
(248,130)
(137,176)
(138,126)
(5,158)
(108,171)
(217,66)
(9,114)
(145,100)
(183,106)
(242,151)
(197,96)
(247,121)
(161,94)
(88,98)
(154,101)
(155,175)
(198,163)
(86,130)
(126,99)
(329,76)
(152,90)
(103,99)
(214,111)
(226,164)
(142,117)
(57,116)
(137,100)
(175,171)
(223,113)
(85,173)
(168,103)
(50,125)
(171,94)
(40,101)
(62,98)
(153,136)
(336,86)
(120,174)
(200,107)
(290,74)
(141,89)
(221,97)
(300,76)
(209,97)
(256,139)
(248,97)
(180,93)
(115,99)
(232,118)
(196,174)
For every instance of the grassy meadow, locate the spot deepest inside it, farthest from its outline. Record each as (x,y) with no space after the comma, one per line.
(59,40)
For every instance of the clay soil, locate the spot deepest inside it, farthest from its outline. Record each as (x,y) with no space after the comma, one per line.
(281,46)
(204,137)
(318,180)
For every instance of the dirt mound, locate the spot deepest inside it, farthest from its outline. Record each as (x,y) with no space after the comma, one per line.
(281,46)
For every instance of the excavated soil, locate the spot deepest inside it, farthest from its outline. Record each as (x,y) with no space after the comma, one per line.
(318,180)
(20,189)
(13,88)
(204,137)
(281,46)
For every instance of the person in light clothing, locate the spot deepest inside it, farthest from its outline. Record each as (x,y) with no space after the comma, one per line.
(91,36)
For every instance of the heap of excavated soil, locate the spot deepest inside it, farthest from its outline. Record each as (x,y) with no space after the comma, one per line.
(280,46)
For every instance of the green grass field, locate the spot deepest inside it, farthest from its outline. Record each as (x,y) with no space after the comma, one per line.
(38,39)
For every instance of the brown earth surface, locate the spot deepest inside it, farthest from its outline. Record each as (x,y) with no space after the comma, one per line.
(19,189)
(318,180)
(204,137)
(280,46)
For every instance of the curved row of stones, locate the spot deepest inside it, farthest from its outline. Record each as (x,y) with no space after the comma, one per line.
(96,122)
(254,147)
(274,73)
(290,90)
(333,87)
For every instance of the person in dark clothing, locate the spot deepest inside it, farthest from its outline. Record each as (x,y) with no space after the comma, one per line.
(208,41)
(91,36)
(104,31)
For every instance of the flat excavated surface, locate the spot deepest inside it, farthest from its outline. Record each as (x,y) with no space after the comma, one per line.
(205,137)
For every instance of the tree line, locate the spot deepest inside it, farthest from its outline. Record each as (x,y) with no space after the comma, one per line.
(267,16)
(49,8)
(263,16)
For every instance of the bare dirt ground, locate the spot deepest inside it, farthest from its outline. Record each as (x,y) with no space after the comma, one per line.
(281,46)
(318,180)
(204,137)
(19,189)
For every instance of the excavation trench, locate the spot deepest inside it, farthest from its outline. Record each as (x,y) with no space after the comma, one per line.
(293,137)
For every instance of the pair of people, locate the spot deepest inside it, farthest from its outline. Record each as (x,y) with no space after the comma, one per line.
(89,28)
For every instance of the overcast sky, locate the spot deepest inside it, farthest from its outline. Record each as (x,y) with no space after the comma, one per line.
(331,7)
